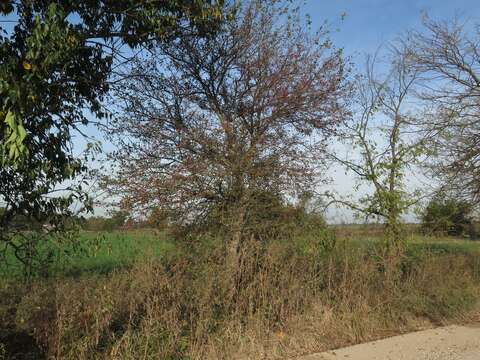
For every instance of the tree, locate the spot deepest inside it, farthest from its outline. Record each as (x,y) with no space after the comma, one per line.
(382,133)
(211,123)
(57,58)
(55,66)
(447,216)
(447,56)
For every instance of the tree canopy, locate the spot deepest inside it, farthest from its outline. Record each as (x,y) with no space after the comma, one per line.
(225,122)
(447,55)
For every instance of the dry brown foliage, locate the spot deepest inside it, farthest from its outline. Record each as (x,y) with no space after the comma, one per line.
(293,300)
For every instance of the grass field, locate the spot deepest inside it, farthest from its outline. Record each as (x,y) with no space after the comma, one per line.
(113,250)
(98,252)
(102,252)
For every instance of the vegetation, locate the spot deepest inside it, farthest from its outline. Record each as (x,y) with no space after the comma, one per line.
(382,131)
(447,216)
(237,116)
(116,221)
(92,253)
(56,65)
(295,297)
(221,114)
(447,54)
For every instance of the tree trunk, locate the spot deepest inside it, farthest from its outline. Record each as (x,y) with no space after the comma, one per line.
(234,246)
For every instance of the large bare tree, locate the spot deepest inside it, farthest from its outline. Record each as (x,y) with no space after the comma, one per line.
(447,54)
(209,123)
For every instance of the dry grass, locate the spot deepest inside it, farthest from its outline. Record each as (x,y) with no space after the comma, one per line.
(291,299)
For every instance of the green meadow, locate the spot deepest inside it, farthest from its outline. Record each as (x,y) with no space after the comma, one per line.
(96,252)
(101,252)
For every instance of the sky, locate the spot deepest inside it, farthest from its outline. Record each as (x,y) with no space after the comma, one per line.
(368,24)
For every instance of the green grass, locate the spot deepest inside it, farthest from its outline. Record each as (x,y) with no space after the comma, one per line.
(96,252)
(103,252)
(445,245)
(435,245)
(108,251)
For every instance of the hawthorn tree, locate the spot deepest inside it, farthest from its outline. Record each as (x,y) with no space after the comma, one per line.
(56,59)
(447,55)
(209,125)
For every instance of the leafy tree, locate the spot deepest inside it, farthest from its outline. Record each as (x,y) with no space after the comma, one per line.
(268,216)
(383,135)
(55,64)
(448,216)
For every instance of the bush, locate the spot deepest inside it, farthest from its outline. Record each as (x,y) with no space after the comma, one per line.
(158,219)
(116,221)
(268,217)
(447,216)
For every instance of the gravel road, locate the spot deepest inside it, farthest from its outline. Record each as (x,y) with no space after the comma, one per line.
(447,343)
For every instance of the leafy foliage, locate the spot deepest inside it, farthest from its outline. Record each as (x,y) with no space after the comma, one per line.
(448,216)
(268,217)
(115,221)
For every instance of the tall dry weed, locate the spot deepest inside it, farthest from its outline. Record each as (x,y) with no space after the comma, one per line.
(291,298)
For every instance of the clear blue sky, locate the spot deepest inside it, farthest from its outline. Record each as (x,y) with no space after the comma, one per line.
(370,23)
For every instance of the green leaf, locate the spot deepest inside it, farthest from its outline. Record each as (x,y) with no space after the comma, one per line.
(21,133)
(13,153)
(10,119)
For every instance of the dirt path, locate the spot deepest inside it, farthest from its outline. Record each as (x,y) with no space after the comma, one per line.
(447,343)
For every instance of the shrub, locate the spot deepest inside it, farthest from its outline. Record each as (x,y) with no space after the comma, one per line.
(268,217)
(116,221)
(447,216)
(158,219)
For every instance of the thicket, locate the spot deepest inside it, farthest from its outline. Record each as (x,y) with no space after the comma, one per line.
(116,221)
(448,216)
